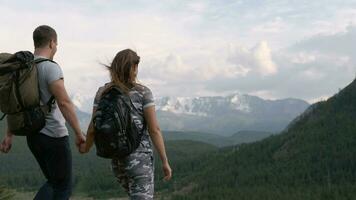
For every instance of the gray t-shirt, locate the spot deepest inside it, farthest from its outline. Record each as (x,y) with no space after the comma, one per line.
(49,72)
(141,97)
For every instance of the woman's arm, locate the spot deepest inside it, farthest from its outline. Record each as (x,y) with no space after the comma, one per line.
(90,136)
(157,139)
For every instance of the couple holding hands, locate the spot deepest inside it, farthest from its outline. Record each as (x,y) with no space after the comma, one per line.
(50,147)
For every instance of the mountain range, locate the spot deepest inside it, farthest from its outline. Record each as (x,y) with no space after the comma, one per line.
(222,115)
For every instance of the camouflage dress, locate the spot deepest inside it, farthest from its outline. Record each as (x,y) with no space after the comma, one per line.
(135,173)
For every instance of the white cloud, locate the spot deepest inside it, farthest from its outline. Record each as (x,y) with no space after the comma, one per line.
(258,59)
(197,6)
(336,23)
(313,74)
(184,45)
(302,58)
(340,44)
(275,26)
(262,54)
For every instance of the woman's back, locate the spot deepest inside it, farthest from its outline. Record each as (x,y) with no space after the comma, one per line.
(141,97)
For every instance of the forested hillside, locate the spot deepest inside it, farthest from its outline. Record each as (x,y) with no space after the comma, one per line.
(217,140)
(315,158)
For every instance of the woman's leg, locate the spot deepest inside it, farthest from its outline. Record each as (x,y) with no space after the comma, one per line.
(140,172)
(119,172)
(136,173)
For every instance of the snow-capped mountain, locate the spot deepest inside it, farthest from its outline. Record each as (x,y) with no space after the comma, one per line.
(239,103)
(203,106)
(227,115)
(218,114)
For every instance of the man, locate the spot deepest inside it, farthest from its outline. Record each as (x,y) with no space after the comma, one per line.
(50,147)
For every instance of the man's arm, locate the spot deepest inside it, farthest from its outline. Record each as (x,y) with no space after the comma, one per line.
(67,108)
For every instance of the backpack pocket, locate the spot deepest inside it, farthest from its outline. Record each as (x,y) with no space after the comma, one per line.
(8,101)
(30,121)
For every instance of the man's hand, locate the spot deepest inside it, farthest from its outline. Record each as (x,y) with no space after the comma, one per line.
(80,139)
(5,145)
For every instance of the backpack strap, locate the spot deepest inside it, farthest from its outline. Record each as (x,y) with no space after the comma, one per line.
(3,116)
(39,60)
(51,100)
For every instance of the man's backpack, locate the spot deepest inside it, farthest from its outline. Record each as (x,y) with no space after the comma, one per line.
(19,93)
(116,133)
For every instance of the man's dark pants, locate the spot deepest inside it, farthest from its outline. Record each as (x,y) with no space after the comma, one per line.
(55,159)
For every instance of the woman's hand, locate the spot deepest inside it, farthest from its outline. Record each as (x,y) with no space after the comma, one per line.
(167,171)
(79,139)
(83,149)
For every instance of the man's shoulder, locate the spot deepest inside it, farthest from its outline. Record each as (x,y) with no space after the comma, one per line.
(49,71)
(43,61)
(49,63)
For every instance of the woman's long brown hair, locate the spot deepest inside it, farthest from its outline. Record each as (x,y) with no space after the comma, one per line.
(122,69)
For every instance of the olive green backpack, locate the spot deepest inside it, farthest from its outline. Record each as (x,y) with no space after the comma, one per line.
(20,95)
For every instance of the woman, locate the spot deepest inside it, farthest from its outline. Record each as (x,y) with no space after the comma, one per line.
(135,172)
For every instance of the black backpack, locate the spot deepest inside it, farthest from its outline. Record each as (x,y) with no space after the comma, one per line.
(116,133)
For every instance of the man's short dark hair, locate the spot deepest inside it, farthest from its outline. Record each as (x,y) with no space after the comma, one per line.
(43,35)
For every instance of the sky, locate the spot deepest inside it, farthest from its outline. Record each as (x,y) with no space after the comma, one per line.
(272,49)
